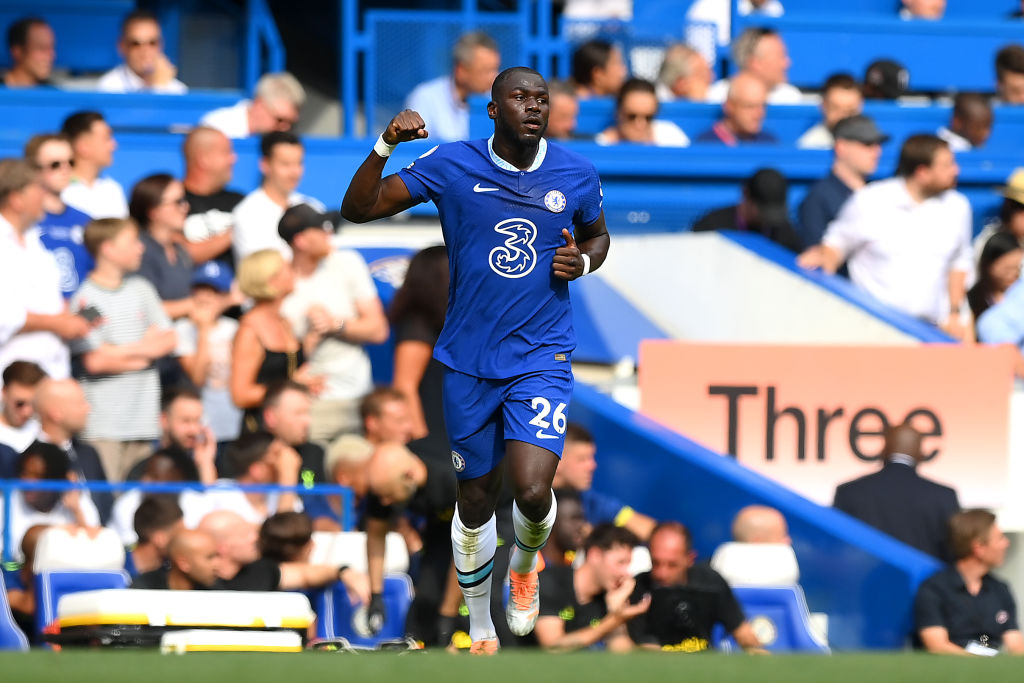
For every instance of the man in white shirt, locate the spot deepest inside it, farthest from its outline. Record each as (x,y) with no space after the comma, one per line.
(684,75)
(761,53)
(256,216)
(907,239)
(34,321)
(93,146)
(145,68)
(335,297)
(18,426)
(840,98)
(275,106)
(442,101)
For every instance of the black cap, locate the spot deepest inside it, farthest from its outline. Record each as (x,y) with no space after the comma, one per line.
(767,189)
(303,217)
(886,79)
(859,128)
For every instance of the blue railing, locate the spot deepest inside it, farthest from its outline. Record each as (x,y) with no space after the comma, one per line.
(9,486)
(261,33)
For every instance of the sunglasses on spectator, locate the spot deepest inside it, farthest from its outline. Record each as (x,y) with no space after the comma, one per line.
(633,116)
(57,163)
(152,42)
(180,201)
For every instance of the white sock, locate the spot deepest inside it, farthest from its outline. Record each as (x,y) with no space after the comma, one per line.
(473,551)
(530,537)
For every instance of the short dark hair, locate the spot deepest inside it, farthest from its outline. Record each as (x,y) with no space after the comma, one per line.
(57,462)
(918,150)
(373,402)
(284,534)
(1010,59)
(180,459)
(606,536)
(278,137)
(842,81)
(23,372)
(172,394)
(156,513)
(1009,209)
(564,494)
(17,33)
(278,389)
(587,57)
(500,79)
(675,528)
(634,85)
(966,527)
(79,123)
(574,431)
(146,196)
(36,142)
(100,230)
(137,15)
(967,104)
(248,450)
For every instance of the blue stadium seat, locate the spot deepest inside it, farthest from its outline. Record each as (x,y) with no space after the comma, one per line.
(779,617)
(52,585)
(336,615)
(11,637)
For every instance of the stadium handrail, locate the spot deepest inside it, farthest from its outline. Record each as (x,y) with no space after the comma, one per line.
(9,486)
(261,33)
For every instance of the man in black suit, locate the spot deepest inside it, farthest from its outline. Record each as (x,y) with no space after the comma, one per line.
(900,502)
(63,409)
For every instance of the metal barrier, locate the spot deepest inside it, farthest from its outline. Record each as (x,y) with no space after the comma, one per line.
(9,486)
(261,32)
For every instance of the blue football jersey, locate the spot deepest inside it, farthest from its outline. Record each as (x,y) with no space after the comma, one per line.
(62,235)
(507,312)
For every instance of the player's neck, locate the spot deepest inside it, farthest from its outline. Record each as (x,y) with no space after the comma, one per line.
(520,155)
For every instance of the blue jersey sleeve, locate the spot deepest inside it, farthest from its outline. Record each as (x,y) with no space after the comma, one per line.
(427,177)
(598,507)
(591,199)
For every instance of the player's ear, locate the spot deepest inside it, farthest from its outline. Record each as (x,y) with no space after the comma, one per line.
(492,110)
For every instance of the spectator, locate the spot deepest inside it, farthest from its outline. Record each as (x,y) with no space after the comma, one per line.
(33,325)
(169,465)
(875,227)
(971,124)
(209,164)
(286,414)
(684,75)
(265,350)
(743,115)
(922,9)
(582,607)
(257,216)
(767,8)
(120,379)
(46,462)
(598,69)
(856,151)
(182,427)
(576,471)
(964,609)
(1011,213)
(1019,12)
(93,146)
(193,565)
(21,586)
(635,110)
(145,68)
(61,228)
(900,502)
(236,540)
(275,106)
(442,101)
(563,108)
(686,599)
(346,464)
(204,347)
(1003,323)
(998,269)
(159,207)
(840,98)
(18,425)
(157,519)
(63,412)
(885,79)
(760,53)
(762,209)
(760,524)
(32,46)
(386,416)
(336,302)
(599,9)
(569,531)
(258,458)
(1010,74)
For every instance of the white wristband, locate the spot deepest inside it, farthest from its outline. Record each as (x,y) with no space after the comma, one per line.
(586,263)
(382,148)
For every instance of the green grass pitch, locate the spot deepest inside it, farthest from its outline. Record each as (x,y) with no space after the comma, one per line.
(514,667)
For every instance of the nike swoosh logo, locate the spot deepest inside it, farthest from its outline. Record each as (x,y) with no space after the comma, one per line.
(477,188)
(542,435)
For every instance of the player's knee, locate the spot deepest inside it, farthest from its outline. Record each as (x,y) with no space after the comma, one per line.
(534,500)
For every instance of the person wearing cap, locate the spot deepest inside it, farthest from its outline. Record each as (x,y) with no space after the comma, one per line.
(335,298)
(1011,213)
(256,217)
(971,124)
(204,347)
(886,79)
(762,210)
(858,147)
(743,115)
(907,239)
(840,97)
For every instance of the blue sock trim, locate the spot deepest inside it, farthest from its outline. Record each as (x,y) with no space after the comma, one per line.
(475,577)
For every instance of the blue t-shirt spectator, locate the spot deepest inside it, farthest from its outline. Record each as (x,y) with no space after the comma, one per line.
(819,207)
(61,233)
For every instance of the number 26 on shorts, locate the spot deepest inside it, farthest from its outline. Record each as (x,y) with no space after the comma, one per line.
(543,408)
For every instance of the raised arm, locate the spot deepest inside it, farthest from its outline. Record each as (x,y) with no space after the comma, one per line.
(369,196)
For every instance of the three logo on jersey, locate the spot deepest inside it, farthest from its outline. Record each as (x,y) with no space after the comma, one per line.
(516,257)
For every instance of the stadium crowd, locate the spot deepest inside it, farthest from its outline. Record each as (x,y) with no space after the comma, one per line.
(183,331)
